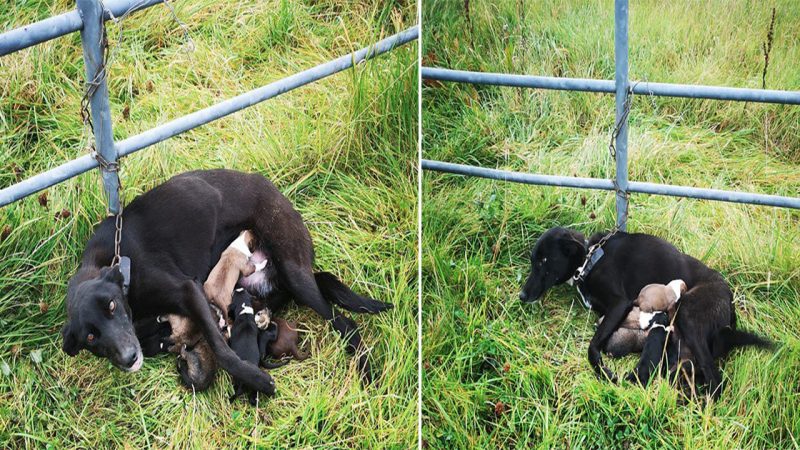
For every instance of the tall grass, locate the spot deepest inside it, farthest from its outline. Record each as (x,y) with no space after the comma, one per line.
(499,373)
(343,150)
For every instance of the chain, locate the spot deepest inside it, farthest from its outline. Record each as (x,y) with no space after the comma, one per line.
(91,88)
(612,149)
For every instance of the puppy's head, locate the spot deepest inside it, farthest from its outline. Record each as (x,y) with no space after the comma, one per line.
(99,320)
(241,301)
(660,297)
(554,259)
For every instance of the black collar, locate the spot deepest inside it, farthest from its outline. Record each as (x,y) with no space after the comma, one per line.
(593,256)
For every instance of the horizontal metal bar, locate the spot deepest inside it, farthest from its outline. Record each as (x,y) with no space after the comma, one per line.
(518,177)
(62,24)
(222,109)
(607,86)
(608,185)
(85,163)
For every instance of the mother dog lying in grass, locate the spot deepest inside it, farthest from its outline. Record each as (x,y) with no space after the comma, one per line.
(706,318)
(174,235)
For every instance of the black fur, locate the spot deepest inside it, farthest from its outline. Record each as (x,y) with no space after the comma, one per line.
(174,234)
(653,352)
(265,337)
(244,339)
(632,261)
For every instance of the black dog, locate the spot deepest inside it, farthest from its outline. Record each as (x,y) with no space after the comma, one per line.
(174,235)
(653,352)
(706,317)
(244,337)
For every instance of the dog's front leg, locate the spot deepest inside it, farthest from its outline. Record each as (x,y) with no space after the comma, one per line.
(612,320)
(241,371)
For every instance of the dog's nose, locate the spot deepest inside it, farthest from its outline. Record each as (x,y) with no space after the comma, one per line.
(130,359)
(523,296)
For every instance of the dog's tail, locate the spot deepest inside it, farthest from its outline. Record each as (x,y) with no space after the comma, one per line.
(728,339)
(338,293)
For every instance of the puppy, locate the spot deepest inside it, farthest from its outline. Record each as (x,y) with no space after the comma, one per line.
(266,337)
(244,337)
(285,344)
(631,334)
(233,262)
(197,366)
(658,297)
(654,347)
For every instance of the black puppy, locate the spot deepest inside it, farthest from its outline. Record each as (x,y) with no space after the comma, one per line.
(653,352)
(629,262)
(174,234)
(244,337)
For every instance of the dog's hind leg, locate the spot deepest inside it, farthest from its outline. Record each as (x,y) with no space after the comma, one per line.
(705,363)
(241,371)
(338,293)
(304,288)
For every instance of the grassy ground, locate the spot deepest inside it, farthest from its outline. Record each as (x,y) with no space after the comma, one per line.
(343,150)
(498,373)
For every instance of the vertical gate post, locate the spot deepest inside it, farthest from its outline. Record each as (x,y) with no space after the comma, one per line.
(621,80)
(91,12)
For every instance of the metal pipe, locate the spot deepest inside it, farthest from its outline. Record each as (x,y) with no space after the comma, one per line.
(518,177)
(62,24)
(85,163)
(608,185)
(621,116)
(607,86)
(92,41)
(222,109)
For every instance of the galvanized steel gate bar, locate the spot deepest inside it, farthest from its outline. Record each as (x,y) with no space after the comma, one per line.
(620,87)
(88,19)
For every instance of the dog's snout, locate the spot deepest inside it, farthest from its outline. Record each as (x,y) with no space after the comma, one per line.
(523,296)
(130,358)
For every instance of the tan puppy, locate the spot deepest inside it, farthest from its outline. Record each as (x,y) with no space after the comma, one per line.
(655,298)
(234,262)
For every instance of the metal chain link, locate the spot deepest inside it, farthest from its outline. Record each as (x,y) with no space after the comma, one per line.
(612,149)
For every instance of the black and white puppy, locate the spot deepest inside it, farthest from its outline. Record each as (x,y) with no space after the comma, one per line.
(653,351)
(244,338)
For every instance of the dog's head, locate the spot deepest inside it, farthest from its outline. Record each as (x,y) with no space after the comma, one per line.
(554,259)
(99,320)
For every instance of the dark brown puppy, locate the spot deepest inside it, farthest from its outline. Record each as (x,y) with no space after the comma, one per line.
(285,345)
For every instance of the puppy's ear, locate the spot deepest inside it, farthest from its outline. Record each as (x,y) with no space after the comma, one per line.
(111,274)
(70,343)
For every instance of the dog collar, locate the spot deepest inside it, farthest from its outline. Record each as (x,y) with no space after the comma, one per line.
(125,270)
(247,310)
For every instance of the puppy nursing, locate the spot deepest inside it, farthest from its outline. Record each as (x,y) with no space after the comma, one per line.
(234,262)
(646,327)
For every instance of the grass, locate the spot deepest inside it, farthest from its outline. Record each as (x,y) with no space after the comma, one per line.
(342,149)
(501,374)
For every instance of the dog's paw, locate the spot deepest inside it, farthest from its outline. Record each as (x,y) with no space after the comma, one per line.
(607,374)
(265,384)
(632,378)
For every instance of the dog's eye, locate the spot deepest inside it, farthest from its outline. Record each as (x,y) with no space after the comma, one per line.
(90,338)
(112,305)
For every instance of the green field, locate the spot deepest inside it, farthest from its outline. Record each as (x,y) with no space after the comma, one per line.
(344,150)
(499,373)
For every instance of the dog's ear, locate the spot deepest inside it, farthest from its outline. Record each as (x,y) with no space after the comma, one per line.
(572,246)
(70,344)
(111,274)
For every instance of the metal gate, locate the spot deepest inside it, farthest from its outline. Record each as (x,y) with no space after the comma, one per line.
(622,88)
